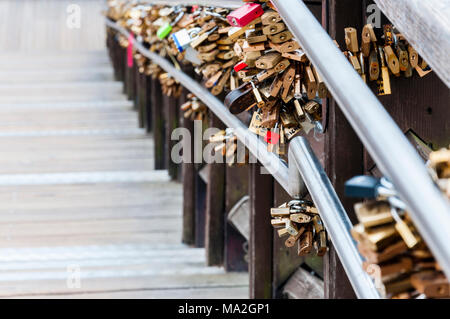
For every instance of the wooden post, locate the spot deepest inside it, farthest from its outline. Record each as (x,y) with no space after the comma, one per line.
(188,173)
(200,211)
(158,124)
(215,206)
(343,149)
(261,238)
(189,187)
(130,80)
(171,105)
(148,104)
(141,97)
(124,71)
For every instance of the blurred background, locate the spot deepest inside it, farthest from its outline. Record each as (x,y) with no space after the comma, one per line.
(41,25)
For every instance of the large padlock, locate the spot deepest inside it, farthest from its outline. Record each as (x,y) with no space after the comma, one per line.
(245,14)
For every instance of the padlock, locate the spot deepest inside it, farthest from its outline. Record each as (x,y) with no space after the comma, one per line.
(384,85)
(351,40)
(392,60)
(259,101)
(365,186)
(374,67)
(245,14)
(305,244)
(166,28)
(270,17)
(183,38)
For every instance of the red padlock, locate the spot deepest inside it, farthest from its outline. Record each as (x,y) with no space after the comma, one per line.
(239,66)
(272,137)
(245,14)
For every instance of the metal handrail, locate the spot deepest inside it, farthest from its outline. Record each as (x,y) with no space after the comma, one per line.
(303,161)
(386,143)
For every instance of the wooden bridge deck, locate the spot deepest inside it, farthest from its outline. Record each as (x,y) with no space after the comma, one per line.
(83,214)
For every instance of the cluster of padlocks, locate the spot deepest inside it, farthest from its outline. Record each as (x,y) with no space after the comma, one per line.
(300,221)
(396,255)
(250,58)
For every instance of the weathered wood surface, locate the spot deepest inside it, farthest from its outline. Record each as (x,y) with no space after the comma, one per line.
(172,122)
(189,180)
(215,207)
(158,125)
(261,240)
(419,105)
(303,285)
(123,234)
(426,25)
(343,149)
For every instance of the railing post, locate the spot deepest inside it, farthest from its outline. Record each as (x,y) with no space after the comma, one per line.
(261,240)
(189,180)
(148,104)
(141,98)
(343,149)
(171,111)
(158,124)
(215,206)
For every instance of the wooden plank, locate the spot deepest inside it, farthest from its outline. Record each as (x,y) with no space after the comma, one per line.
(169,207)
(83,197)
(261,240)
(171,281)
(200,211)
(97,239)
(426,26)
(33,229)
(175,293)
(236,187)
(344,153)
(215,207)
